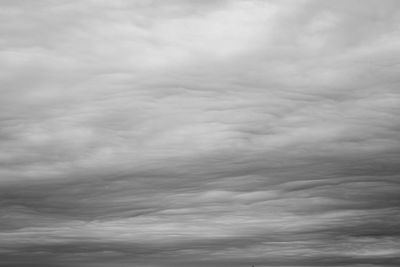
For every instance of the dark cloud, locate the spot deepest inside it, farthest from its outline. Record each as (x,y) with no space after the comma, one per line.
(215,133)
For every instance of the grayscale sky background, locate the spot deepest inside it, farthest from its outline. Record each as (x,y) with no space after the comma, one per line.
(157,133)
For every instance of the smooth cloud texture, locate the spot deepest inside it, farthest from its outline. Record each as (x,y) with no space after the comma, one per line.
(199,133)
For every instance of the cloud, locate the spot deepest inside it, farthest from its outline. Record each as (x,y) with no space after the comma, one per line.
(175,133)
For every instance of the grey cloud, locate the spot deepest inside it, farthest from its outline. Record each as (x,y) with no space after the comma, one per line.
(175,133)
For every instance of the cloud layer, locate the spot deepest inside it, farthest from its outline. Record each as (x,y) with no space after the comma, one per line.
(199,133)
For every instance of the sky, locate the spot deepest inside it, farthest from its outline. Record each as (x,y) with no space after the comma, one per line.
(158,133)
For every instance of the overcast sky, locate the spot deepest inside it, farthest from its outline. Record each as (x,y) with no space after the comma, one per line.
(157,133)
